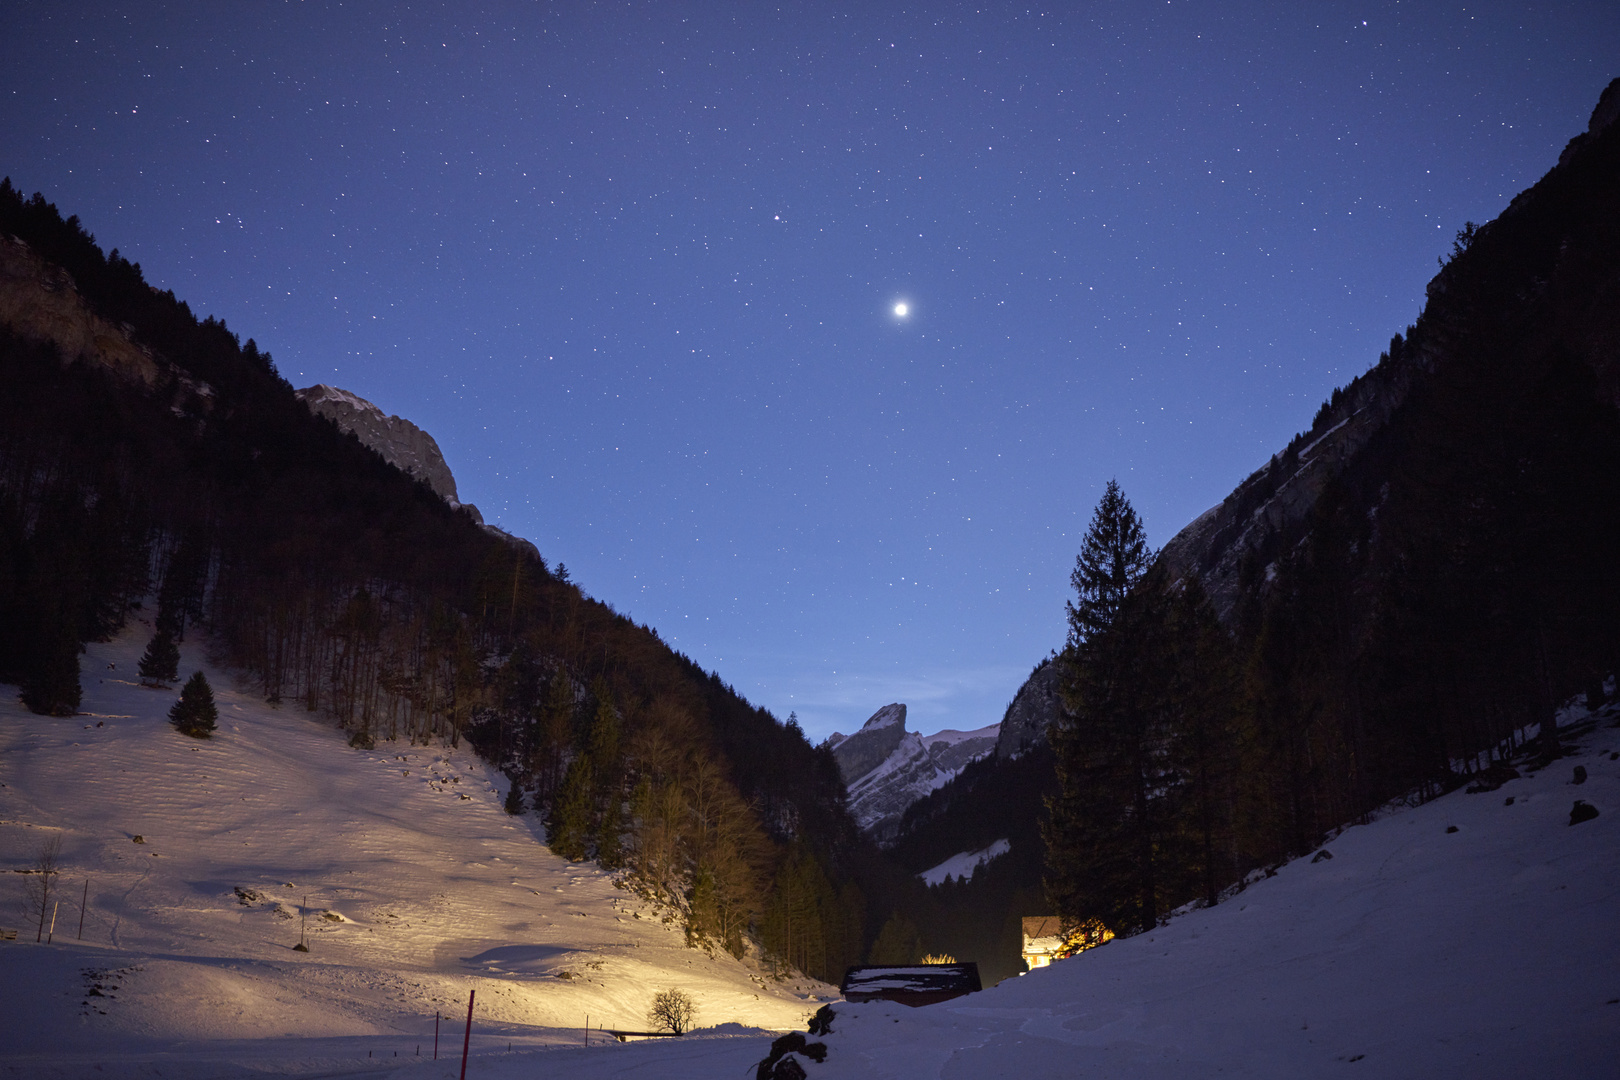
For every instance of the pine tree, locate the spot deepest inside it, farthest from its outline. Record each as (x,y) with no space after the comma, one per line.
(51,684)
(1106,825)
(569,830)
(161,661)
(610,836)
(194,714)
(897,943)
(514,800)
(1113,557)
(1203,697)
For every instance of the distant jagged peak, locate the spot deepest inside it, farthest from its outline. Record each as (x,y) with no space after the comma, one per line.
(953,737)
(889,714)
(887,768)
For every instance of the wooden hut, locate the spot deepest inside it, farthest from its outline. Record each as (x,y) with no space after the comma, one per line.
(911,984)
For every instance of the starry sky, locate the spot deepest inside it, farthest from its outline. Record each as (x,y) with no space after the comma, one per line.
(635,266)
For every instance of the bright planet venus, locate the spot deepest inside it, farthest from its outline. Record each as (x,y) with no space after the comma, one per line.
(902,309)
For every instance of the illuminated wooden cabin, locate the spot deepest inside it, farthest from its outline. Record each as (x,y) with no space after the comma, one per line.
(1044,940)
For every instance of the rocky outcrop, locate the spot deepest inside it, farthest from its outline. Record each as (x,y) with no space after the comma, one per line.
(1233,547)
(1036,707)
(40,301)
(1277,498)
(401,443)
(887,768)
(860,753)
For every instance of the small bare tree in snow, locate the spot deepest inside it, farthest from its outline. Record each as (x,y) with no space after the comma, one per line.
(39,887)
(672,1009)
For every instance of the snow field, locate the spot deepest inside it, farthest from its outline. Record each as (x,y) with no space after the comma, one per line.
(1488,951)
(419,888)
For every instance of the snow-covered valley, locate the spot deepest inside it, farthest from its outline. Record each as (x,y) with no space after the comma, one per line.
(1472,936)
(417,887)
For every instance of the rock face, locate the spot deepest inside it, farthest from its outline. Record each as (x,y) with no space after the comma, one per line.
(400,442)
(887,768)
(860,753)
(1276,499)
(1233,547)
(40,301)
(1037,705)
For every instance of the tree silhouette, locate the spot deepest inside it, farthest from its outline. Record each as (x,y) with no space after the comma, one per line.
(194,714)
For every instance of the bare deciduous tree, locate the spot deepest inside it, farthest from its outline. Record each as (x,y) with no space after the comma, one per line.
(672,1009)
(40,884)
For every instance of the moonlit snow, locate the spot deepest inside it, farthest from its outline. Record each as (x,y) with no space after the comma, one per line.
(963,864)
(420,888)
(1415,951)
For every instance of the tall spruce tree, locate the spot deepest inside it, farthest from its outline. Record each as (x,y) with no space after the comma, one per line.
(1113,557)
(194,714)
(1107,819)
(1202,696)
(573,811)
(161,661)
(50,684)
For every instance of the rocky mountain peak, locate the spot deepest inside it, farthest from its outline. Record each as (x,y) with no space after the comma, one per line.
(887,768)
(401,443)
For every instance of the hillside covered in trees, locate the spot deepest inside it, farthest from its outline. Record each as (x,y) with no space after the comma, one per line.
(149,456)
(1388,609)
(1419,601)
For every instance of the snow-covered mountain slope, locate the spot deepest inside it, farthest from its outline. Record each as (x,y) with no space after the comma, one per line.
(964,864)
(432,891)
(1416,951)
(887,768)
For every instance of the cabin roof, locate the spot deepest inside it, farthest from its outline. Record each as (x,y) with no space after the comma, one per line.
(886,979)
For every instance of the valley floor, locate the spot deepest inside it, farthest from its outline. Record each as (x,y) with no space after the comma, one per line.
(1475,936)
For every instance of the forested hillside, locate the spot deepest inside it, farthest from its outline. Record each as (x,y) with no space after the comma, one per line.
(1405,608)
(149,456)
(1386,610)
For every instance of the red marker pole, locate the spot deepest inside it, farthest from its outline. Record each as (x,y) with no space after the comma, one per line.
(435,1034)
(467,1039)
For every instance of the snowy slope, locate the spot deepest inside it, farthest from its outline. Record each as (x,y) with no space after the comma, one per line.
(964,864)
(433,891)
(1492,951)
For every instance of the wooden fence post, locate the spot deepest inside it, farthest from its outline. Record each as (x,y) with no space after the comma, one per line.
(467,1039)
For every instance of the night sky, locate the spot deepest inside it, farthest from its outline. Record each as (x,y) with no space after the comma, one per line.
(636,266)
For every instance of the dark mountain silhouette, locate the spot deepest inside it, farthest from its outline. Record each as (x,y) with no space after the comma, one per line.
(146,453)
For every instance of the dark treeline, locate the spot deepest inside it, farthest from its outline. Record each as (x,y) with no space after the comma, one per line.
(980,918)
(1449,587)
(338,585)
